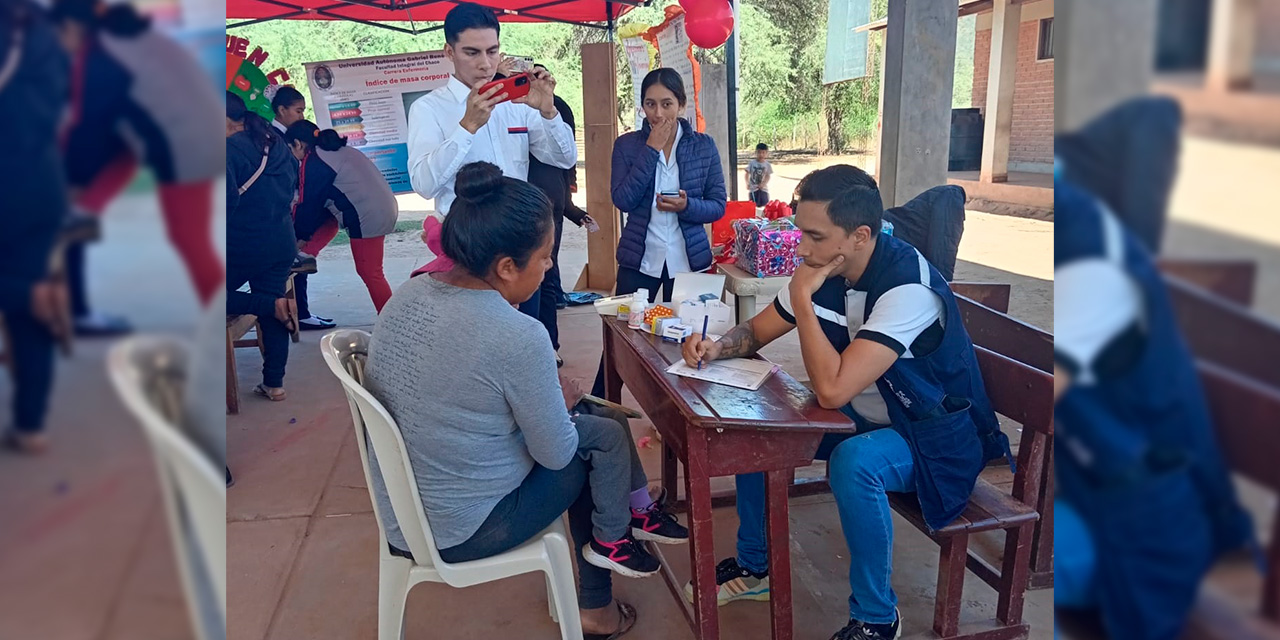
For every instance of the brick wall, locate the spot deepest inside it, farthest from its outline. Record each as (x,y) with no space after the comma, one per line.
(1031,141)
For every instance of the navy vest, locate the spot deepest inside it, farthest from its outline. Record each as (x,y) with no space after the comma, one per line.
(936,401)
(1136,453)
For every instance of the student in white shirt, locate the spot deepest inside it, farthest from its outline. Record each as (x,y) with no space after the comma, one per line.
(289,107)
(456,124)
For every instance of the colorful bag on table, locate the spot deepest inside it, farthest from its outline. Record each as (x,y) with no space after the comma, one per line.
(766,247)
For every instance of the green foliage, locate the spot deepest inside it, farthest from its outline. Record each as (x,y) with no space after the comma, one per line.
(783,101)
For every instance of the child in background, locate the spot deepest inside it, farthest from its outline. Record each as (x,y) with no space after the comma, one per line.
(758,173)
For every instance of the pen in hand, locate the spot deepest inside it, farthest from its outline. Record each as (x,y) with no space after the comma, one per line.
(705,319)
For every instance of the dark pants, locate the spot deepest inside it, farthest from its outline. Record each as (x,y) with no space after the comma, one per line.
(605,447)
(630,281)
(266,274)
(24,260)
(300,292)
(77,288)
(760,197)
(552,292)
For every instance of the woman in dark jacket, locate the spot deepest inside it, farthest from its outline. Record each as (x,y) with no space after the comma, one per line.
(668,181)
(260,247)
(339,186)
(664,234)
(33,83)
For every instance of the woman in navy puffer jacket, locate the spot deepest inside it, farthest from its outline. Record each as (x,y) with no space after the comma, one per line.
(664,234)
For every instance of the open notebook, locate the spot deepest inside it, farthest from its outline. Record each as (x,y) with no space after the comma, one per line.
(734,372)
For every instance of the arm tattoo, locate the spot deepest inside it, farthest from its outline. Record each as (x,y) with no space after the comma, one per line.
(740,342)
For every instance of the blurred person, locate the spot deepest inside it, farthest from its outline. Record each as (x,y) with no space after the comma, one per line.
(497,454)
(757,173)
(1145,503)
(557,183)
(882,342)
(339,186)
(289,107)
(34,82)
(138,97)
(457,124)
(261,179)
(668,182)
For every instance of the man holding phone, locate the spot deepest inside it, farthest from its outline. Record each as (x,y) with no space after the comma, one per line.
(466,122)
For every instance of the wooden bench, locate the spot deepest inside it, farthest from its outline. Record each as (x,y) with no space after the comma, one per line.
(1236,351)
(238,327)
(1024,394)
(1029,345)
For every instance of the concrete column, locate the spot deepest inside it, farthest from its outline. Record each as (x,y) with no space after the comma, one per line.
(715,111)
(1233,35)
(920,56)
(1001,71)
(1104,54)
(599,129)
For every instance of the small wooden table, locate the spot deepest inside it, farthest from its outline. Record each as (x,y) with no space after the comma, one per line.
(745,287)
(716,430)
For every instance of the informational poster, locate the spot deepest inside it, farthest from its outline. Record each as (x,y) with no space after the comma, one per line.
(676,52)
(367,101)
(639,60)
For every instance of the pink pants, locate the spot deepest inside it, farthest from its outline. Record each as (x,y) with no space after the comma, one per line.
(367,253)
(188,217)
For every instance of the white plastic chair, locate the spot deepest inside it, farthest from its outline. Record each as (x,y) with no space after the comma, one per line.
(548,552)
(149,374)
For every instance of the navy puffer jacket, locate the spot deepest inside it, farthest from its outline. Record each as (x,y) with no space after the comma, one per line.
(635,166)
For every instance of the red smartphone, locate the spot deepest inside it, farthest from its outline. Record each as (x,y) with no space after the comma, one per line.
(516,86)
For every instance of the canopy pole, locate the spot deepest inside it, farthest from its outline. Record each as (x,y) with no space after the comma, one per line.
(608,11)
(731,77)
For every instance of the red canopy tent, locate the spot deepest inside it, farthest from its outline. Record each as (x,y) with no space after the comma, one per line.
(600,14)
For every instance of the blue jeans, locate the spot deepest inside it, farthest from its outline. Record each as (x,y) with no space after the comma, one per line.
(862,469)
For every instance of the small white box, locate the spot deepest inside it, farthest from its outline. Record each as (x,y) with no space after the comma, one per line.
(660,325)
(676,332)
(718,315)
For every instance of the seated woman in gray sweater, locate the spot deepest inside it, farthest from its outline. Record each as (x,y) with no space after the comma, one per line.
(499,447)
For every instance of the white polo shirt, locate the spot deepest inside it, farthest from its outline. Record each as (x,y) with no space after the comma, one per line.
(664,241)
(439,146)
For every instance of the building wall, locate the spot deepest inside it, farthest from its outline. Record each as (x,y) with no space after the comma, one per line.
(1031,141)
(1268,36)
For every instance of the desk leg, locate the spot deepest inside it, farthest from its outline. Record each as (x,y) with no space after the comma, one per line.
(744,307)
(612,381)
(701,546)
(778,527)
(669,473)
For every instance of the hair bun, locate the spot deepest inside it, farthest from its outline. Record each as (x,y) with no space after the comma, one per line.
(477,180)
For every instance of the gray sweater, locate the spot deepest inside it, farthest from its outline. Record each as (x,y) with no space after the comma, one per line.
(472,384)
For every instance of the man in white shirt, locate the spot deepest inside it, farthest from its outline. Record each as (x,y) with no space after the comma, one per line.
(457,125)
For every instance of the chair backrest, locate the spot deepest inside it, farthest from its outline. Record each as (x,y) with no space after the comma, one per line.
(1022,393)
(1003,334)
(344,352)
(148,374)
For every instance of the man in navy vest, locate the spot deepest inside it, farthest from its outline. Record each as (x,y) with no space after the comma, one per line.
(1145,503)
(882,340)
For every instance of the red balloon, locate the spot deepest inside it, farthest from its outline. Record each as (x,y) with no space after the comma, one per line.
(708,22)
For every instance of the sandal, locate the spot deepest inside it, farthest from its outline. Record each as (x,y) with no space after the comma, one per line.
(626,620)
(33,444)
(274,395)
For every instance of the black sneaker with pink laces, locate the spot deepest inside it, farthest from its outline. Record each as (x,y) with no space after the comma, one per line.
(626,557)
(655,524)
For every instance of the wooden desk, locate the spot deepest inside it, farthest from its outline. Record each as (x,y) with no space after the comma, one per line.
(717,430)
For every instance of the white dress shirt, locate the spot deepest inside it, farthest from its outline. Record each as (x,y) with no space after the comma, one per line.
(664,242)
(279,127)
(439,146)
